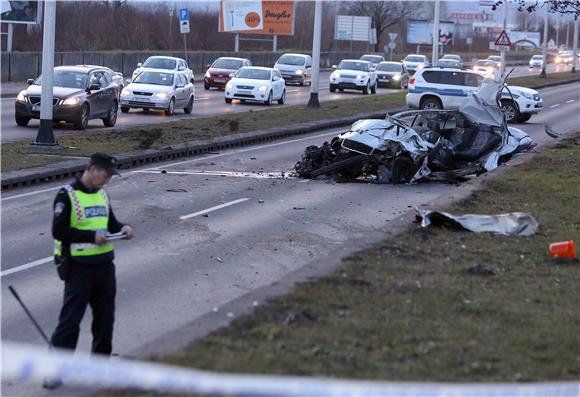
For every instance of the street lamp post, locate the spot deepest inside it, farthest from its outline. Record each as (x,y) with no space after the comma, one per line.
(45,136)
(313,101)
(575,44)
(545,43)
(435,50)
(503,49)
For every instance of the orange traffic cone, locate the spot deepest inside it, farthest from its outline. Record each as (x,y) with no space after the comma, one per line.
(563,249)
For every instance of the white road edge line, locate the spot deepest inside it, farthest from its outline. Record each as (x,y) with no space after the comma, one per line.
(249,149)
(554,106)
(217,207)
(26,266)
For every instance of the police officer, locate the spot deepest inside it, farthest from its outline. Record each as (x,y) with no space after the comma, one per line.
(82,218)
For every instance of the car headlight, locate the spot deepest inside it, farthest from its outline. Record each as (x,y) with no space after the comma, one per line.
(421,66)
(207,74)
(71,101)
(161,95)
(490,70)
(299,72)
(397,77)
(558,59)
(126,92)
(229,85)
(360,76)
(21,97)
(231,75)
(526,95)
(263,88)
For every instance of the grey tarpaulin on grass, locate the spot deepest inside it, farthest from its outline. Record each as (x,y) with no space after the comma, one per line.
(511,224)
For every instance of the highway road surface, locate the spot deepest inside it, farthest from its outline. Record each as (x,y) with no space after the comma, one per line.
(210,229)
(207,103)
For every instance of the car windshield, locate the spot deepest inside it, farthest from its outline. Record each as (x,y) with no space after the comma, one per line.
(254,74)
(227,64)
(155,78)
(389,67)
(67,79)
(451,57)
(160,63)
(414,58)
(354,65)
(484,63)
(494,58)
(371,58)
(537,57)
(291,60)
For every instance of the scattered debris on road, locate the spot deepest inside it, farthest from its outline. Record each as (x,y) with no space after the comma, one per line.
(511,224)
(176,190)
(442,145)
(563,249)
(482,270)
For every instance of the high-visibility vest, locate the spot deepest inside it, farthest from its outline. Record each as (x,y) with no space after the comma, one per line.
(89,211)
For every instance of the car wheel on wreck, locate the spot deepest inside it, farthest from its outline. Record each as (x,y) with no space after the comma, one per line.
(510,110)
(524,117)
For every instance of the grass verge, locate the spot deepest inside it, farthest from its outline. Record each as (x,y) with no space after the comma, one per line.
(415,308)
(18,155)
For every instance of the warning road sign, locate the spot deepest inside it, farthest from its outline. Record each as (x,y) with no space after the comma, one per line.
(503,40)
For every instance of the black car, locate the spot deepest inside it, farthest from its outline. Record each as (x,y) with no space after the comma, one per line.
(80,93)
(392,74)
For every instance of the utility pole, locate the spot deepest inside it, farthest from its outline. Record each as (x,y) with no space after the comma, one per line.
(575,45)
(313,101)
(435,49)
(567,35)
(503,49)
(558,33)
(45,136)
(545,44)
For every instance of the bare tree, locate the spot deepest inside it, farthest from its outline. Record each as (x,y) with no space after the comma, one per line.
(383,14)
(556,6)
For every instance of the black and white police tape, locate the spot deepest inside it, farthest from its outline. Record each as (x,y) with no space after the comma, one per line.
(28,363)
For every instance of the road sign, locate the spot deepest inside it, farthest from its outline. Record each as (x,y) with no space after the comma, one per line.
(393,36)
(503,40)
(183,14)
(184,26)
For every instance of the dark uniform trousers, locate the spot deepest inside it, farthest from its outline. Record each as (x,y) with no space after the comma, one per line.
(95,285)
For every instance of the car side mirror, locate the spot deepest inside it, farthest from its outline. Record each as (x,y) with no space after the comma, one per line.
(29,81)
(334,66)
(139,64)
(208,65)
(94,87)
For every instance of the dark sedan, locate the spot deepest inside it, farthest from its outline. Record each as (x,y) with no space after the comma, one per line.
(80,93)
(222,70)
(392,74)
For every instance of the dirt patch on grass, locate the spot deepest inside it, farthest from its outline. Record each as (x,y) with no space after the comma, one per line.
(433,304)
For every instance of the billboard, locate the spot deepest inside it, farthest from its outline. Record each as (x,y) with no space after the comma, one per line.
(419,32)
(19,11)
(353,28)
(257,17)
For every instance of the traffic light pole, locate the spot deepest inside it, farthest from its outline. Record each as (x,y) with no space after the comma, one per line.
(313,101)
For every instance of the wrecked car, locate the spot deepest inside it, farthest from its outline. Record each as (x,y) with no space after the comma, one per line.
(421,145)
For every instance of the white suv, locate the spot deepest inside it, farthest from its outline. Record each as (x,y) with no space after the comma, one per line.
(448,88)
(354,74)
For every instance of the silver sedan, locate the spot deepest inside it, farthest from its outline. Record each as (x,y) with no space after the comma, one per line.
(159,90)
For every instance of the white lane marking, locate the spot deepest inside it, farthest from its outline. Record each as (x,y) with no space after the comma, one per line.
(217,207)
(249,149)
(554,106)
(26,266)
(31,193)
(570,101)
(235,174)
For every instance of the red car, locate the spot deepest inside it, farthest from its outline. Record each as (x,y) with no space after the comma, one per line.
(222,70)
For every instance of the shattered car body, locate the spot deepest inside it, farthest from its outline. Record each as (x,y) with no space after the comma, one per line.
(422,144)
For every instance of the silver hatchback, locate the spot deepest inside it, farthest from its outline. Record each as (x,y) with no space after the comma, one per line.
(160,90)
